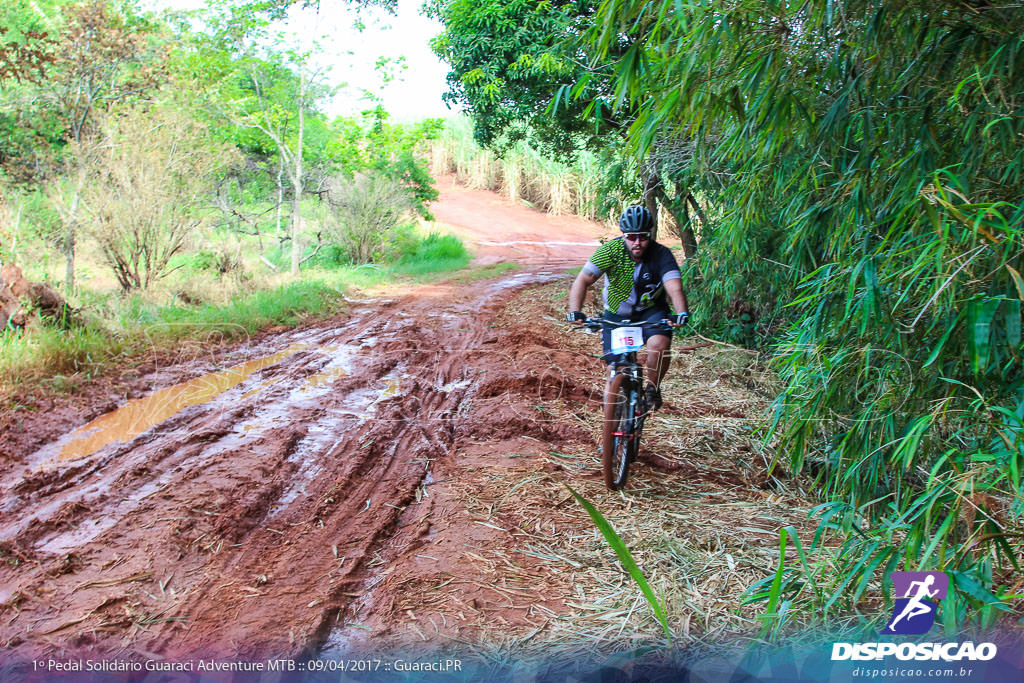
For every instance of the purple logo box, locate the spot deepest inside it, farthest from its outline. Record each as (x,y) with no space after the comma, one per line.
(917,595)
(933,581)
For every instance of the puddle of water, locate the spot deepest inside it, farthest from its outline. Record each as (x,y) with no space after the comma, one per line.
(68,540)
(360,404)
(520,279)
(342,360)
(261,387)
(260,423)
(392,388)
(322,379)
(321,437)
(87,531)
(308,453)
(392,383)
(452,386)
(305,477)
(135,417)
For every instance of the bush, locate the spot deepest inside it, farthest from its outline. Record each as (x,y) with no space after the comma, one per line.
(329,257)
(136,326)
(147,177)
(220,261)
(434,253)
(364,214)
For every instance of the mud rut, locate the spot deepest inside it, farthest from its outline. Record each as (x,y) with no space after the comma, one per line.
(308,494)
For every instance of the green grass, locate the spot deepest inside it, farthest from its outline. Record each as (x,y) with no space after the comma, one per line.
(284,305)
(117,329)
(484,272)
(48,352)
(435,253)
(139,327)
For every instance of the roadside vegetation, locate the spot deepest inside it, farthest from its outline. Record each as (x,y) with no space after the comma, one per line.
(845,179)
(520,172)
(173,175)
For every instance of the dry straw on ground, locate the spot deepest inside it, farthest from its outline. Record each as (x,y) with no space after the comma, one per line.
(700,514)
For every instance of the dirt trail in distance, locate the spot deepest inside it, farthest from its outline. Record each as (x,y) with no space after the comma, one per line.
(286,494)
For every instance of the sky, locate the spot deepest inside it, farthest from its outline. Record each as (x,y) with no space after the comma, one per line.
(350,54)
(417,89)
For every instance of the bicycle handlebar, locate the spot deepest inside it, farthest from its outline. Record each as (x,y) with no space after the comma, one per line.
(595,324)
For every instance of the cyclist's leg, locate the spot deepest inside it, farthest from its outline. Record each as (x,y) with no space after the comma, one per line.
(658,358)
(658,343)
(606,349)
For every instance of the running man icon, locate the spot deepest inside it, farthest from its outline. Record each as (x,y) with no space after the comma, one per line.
(914,613)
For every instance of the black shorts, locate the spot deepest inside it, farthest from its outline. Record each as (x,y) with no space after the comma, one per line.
(648,316)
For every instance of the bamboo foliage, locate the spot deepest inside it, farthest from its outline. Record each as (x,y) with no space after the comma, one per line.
(866,162)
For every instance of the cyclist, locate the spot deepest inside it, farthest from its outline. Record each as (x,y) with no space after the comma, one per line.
(640,278)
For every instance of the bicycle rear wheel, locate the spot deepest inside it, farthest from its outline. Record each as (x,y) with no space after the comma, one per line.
(620,438)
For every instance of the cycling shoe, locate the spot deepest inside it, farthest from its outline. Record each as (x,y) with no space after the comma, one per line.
(652,395)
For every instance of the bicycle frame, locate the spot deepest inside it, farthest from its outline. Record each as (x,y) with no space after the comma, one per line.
(625,409)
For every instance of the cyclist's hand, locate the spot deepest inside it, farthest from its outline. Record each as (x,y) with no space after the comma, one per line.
(575,317)
(678,320)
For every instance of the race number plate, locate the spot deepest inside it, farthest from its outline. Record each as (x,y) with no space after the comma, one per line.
(626,339)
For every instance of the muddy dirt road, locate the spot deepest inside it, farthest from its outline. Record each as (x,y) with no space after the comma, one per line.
(296,492)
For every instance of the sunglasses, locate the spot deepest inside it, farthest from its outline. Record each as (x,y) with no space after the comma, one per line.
(638,236)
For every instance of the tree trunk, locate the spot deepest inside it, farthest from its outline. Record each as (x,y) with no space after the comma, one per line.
(652,185)
(70,225)
(681,215)
(688,237)
(297,182)
(69,258)
(280,189)
(296,226)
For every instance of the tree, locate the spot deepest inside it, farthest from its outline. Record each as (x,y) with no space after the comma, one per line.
(146,176)
(26,40)
(26,59)
(511,61)
(362,213)
(99,58)
(523,71)
(25,54)
(266,91)
(392,150)
(282,96)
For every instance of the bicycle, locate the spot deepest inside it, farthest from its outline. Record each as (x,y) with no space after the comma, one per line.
(625,407)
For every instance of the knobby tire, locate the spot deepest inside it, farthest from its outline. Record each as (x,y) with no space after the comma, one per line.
(620,417)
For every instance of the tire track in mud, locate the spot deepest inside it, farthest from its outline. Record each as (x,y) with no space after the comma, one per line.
(251,524)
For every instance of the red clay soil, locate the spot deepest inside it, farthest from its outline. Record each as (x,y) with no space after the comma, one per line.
(309,479)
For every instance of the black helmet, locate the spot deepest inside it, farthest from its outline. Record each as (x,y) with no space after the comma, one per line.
(636,219)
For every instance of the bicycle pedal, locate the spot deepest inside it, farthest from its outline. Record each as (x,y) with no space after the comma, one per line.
(652,398)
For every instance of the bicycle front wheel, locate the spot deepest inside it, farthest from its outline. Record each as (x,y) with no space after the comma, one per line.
(619,435)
